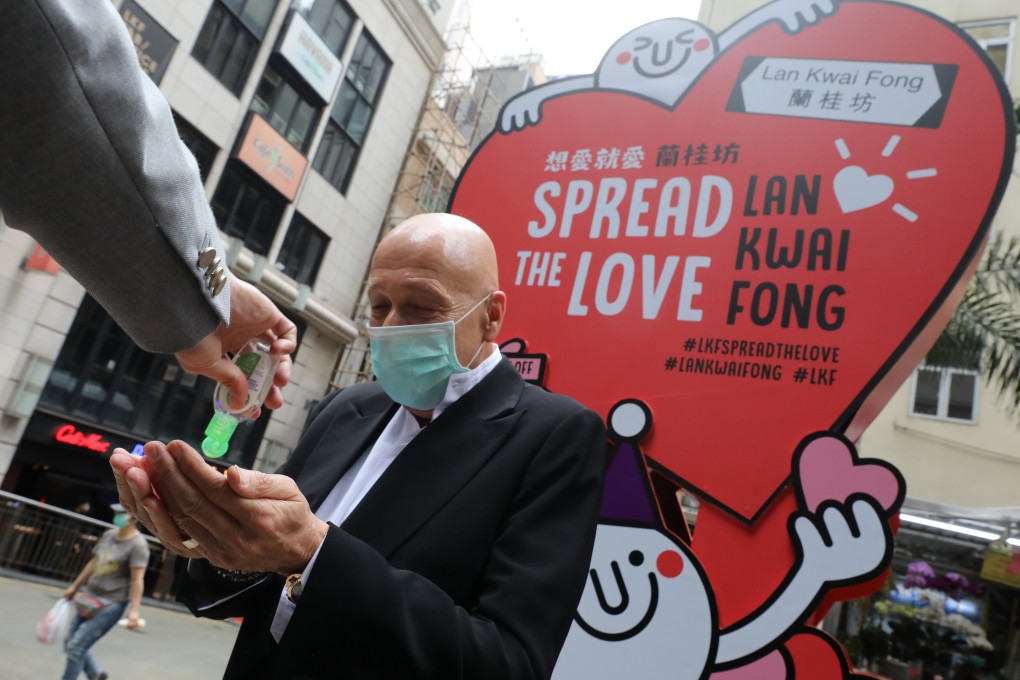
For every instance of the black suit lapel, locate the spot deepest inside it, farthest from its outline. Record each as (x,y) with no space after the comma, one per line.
(353,429)
(438,462)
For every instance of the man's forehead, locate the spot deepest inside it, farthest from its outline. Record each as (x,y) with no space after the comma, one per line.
(418,283)
(431,246)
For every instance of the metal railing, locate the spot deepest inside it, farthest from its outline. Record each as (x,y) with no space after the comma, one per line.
(51,543)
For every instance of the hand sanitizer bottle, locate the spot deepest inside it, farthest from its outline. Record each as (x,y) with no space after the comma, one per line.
(260,367)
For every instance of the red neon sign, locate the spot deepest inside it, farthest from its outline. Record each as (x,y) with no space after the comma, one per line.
(67,434)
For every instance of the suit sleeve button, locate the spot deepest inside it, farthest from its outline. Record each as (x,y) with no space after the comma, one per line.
(206,257)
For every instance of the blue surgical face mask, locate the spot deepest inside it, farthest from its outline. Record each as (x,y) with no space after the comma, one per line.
(121,520)
(414,363)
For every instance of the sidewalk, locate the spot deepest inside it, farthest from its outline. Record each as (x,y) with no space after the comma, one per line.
(173,645)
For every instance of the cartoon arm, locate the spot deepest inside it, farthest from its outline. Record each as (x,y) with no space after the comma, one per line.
(795,15)
(836,545)
(526,108)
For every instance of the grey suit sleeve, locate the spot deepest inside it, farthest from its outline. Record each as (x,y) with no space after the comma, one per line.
(94,170)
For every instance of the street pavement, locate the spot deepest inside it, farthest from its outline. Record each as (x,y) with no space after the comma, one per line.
(173,645)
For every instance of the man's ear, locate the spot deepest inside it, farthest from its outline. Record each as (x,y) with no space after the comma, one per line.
(494,320)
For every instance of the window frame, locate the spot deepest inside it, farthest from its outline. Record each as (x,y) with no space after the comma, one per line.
(331,14)
(985,43)
(299,230)
(335,127)
(436,188)
(267,195)
(302,99)
(942,403)
(230,17)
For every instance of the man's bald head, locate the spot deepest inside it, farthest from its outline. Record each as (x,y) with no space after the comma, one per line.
(452,247)
(436,268)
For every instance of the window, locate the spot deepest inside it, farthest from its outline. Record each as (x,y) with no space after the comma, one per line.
(201,146)
(945,393)
(285,109)
(331,19)
(245,207)
(435,189)
(352,113)
(996,37)
(230,37)
(302,250)
(102,377)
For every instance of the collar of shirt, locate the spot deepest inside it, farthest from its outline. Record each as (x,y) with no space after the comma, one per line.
(461,383)
(398,433)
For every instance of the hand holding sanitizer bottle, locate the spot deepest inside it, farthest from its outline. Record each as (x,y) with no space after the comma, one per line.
(260,367)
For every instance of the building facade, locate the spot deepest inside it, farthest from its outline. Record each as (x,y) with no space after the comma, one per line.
(299,114)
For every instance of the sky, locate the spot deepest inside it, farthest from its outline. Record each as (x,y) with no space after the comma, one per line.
(571,35)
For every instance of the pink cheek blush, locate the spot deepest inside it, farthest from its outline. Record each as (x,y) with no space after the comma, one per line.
(669,563)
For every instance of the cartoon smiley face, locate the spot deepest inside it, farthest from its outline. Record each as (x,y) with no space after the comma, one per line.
(645,611)
(657,58)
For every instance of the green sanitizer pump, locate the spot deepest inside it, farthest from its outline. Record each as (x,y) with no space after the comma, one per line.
(256,362)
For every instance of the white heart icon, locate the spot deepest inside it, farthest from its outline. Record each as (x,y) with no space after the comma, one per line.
(856,189)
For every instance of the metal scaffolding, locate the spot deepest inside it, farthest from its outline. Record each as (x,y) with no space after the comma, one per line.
(465,96)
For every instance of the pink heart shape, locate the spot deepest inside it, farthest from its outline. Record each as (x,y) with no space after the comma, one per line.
(828,469)
(769,667)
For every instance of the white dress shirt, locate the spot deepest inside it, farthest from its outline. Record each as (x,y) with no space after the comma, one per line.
(359,479)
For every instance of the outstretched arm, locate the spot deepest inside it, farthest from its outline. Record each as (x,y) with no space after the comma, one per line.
(526,108)
(840,544)
(102,179)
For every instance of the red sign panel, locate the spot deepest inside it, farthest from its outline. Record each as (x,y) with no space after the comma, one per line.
(735,247)
(762,251)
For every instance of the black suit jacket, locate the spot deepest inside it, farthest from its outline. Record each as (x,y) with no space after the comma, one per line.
(465,560)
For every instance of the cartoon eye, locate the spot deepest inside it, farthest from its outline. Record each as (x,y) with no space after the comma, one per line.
(642,42)
(683,37)
(636,558)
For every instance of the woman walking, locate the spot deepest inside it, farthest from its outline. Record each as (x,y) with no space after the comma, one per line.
(113,582)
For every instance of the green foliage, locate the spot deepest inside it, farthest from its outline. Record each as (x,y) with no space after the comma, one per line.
(984,333)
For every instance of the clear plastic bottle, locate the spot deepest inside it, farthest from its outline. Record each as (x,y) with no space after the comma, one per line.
(260,367)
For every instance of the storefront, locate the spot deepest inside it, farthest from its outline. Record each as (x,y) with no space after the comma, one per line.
(949,608)
(104,393)
(62,461)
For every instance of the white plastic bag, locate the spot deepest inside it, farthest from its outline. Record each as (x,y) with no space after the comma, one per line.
(54,625)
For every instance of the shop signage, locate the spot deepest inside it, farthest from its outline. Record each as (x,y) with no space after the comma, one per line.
(70,435)
(735,247)
(153,43)
(266,152)
(310,56)
(1002,565)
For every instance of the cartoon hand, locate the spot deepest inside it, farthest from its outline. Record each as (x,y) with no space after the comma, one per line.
(797,15)
(521,111)
(843,543)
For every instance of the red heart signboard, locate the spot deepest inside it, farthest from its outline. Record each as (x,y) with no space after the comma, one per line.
(769,256)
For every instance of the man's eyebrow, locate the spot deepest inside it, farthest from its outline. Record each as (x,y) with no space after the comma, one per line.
(427,289)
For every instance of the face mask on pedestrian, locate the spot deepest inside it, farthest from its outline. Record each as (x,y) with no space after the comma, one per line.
(121,520)
(414,363)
